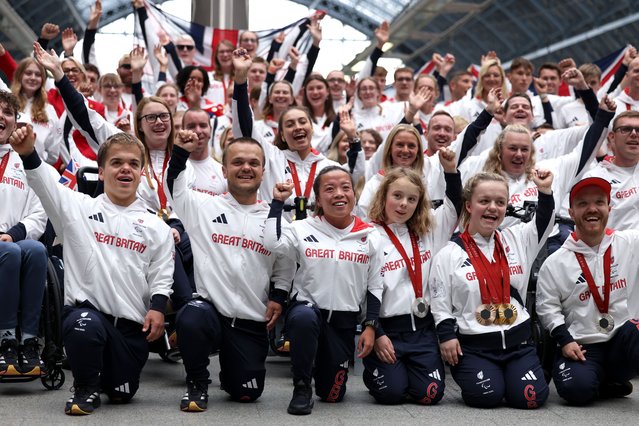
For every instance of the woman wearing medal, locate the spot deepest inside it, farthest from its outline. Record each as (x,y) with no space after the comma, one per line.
(585,300)
(406,362)
(476,287)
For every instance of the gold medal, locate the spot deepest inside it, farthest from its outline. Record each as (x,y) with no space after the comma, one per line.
(506,313)
(420,308)
(486,314)
(163,214)
(605,324)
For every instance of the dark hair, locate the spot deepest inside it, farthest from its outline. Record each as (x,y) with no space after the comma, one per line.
(517,95)
(521,63)
(10,99)
(92,68)
(184,75)
(278,141)
(318,182)
(243,140)
(403,69)
(329,111)
(550,66)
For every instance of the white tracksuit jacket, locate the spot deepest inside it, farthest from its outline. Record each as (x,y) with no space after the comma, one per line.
(563,296)
(115,257)
(337,266)
(19,203)
(232,267)
(398,294)
(454,289)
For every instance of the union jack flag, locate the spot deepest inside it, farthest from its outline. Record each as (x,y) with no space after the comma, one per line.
(68,177)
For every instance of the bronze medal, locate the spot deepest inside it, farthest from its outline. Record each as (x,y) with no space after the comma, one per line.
(507,313)
(163,214)
(486,314)
(420,308)
(605,324)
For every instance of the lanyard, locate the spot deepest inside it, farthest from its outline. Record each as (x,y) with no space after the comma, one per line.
(415,273)
(160,190)
(3,164)
(490,276)
(602,305)
(296,180)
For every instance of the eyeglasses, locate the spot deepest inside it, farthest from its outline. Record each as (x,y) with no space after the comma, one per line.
(626,130)
(125,66)
(185,47)
(336,80)
(73,70)
(152,118)
(248,40)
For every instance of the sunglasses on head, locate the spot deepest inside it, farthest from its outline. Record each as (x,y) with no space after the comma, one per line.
(185,47)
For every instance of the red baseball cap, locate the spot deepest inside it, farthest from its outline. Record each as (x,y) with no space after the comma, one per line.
(603,184)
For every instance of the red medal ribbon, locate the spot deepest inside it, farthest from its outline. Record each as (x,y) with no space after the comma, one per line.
(602,305)
(415,273)
(490,275)
(296,180)
(3,164)
(160,190)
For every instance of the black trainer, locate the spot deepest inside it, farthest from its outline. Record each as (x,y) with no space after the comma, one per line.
(29,355)
(9,365)
(302,401)
(615,389)
(84,401)
(196,398)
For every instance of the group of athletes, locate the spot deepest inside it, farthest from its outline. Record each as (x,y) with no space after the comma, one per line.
(265,193)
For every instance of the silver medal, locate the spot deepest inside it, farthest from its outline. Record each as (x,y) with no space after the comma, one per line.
(605,324)
(420,308)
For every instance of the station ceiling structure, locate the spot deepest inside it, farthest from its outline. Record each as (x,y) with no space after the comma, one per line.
(543,30)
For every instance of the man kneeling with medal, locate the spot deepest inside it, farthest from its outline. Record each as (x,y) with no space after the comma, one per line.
(583,299)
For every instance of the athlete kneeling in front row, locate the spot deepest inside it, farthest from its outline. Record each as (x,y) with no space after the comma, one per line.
(118,261)
(406,362)
(23,260)
(340,260)
(584,296)
(233,271)
(477,283)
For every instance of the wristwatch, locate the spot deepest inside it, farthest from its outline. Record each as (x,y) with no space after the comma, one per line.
(371,323)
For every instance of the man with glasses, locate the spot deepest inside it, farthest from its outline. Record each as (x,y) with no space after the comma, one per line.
(249,42)
(621,171)
(403,84)
(337,86)
(185,46)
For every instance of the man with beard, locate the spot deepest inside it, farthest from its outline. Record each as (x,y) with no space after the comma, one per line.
(585,298)
(233,272)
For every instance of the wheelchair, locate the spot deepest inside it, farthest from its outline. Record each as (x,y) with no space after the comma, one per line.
(50,330)
(545,345)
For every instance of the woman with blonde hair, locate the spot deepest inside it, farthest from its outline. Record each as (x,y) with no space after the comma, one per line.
(29,88)
(476,286)
(491,76)
(406,352)
(513,156)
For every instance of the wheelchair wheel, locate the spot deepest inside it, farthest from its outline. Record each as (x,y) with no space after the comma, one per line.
(51,324)
(54,380)
(172,356)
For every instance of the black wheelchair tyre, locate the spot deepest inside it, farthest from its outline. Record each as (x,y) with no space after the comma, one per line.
(51,324)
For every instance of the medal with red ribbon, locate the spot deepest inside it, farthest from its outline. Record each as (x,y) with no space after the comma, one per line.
(420,309)
(605,324)
(301,199)
(494,283)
